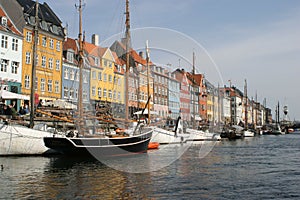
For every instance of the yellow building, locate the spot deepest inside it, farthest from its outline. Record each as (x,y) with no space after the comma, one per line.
(49,53)
(107,76)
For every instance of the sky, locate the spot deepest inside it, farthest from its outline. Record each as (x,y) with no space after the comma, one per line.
(232,39)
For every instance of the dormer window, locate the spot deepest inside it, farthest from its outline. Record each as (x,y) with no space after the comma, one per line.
(4,21)
(96,61)
(70,57)
(44,25)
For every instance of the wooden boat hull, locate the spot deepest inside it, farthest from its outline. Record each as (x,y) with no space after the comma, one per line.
(103,147)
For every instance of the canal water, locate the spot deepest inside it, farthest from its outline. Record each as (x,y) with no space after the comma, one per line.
(263,167)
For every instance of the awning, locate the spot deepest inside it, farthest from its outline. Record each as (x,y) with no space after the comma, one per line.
(145,112)
(10,95)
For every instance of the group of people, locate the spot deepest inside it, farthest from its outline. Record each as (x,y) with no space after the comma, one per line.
(10,110)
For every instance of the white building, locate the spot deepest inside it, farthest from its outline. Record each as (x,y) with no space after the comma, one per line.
(11,42)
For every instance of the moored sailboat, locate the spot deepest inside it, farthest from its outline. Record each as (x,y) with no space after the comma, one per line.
(101,144)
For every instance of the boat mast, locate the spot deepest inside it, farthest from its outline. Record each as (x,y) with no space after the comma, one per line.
(193,95)
(148,82)
(127,39)
(80,65)
(34,63)
(246,105)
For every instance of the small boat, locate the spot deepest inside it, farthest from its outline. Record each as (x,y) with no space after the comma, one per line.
(232,132)
(248,133)
(153,145)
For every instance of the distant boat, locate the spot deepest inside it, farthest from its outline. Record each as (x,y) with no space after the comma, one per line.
(248,133)
(232,132)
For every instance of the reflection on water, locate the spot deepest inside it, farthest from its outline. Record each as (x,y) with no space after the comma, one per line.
(265,167)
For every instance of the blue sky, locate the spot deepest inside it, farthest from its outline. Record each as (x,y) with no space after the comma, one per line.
(254,39)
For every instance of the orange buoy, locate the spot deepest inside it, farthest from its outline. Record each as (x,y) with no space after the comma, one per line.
(153,145)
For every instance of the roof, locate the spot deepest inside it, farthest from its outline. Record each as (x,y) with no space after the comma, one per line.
(46,14)
(120,50)
(14,11)
(10,26)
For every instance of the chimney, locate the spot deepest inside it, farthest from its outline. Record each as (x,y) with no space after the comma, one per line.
(95,39)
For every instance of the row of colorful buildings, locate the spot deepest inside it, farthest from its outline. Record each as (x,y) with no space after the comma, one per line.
(173,92)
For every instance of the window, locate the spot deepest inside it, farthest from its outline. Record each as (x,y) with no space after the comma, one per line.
(84,78)
(105,77)
(110,65)
(4,64)
(93,91)
(57,65)
(56,87)
(104,93)
(72,93)
(50,63)
(77,75)
(66,90)
(119,96)
(4,41)
(99,92)
(14,45)
(44,41)
(115,95)
(105,63)
(110,78)
(42,84)
(96,61)
(76,94)
(84,95)
(99,76)
(36,83)
(70,57)
(94,75)
(14,67)
(72,74)
(43,61)
(49,85)
(109,94)
(4,21)
(66,73)
(51,43)
(27,58)
(28,36)
(37,59)
(27,81)
(58,46)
